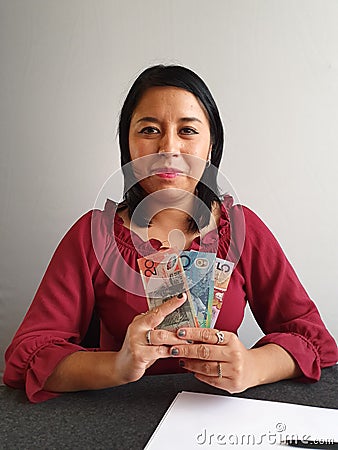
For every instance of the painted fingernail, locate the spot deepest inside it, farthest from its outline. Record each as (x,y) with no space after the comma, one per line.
(181,333)
(174,351)
(180,295)
(181,363)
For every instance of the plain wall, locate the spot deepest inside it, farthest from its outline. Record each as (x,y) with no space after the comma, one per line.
(65,67)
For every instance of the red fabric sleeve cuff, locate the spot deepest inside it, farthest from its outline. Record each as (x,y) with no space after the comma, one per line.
(300,349)
(41,366)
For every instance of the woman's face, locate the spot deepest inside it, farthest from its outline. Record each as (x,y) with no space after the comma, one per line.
(170,132)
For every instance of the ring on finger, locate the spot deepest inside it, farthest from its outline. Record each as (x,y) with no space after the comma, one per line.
(148,339)
(219,370)
(220,337)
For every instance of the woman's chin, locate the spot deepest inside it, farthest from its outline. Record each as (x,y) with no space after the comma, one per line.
(174,196)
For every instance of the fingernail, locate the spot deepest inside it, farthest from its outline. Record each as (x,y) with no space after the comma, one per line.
(181,363)
(174,351)
(180,295)
(181,333)
(190,341)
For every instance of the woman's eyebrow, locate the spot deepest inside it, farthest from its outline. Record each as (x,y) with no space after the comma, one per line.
(190,119)
(148,119)
(153,119)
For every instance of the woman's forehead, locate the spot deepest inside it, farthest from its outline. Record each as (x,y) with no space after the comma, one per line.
(169,100)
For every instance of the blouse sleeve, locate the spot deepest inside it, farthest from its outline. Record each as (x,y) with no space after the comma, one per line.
(279,302)
(58,317)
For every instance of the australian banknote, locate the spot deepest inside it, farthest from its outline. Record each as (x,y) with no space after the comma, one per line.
(222,274)
(199,270)
(163,277)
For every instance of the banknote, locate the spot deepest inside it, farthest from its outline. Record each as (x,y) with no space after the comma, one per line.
(222,274)
(199,270)
(163,277)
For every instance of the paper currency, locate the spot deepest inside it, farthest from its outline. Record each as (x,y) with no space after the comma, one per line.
(163,277)
(222,274)
(199,270)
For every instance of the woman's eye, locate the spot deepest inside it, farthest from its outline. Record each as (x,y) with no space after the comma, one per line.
(149,130)
(188,130)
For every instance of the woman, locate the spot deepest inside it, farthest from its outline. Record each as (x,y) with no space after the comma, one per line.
(171,141)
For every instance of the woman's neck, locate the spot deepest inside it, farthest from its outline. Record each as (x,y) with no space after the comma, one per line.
(171,218)
(171,226)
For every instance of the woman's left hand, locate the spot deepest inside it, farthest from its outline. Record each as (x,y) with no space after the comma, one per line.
(217,358)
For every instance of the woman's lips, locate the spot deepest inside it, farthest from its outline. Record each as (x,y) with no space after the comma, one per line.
(166,172)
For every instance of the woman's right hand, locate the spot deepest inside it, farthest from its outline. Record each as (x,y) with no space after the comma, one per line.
(137,354)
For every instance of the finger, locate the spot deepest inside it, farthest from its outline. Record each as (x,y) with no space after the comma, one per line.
(226,383)
(220,383)
(163,337)
(207,368)
(207,335)
(156,316)
(140,316)
(152,353)
(180,297)
(200,351)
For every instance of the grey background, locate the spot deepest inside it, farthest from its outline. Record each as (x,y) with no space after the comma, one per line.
(65,67)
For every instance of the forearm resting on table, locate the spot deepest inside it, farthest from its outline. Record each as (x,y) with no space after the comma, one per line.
(84,370)
(273,363)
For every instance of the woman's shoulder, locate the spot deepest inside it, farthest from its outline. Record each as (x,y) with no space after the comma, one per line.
(249,232)
(243,226)
(96,224)
(101,219)
(238,213)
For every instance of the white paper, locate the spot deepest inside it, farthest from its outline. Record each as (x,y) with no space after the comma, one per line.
(197,421)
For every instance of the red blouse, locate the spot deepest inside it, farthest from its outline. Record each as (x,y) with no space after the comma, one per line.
(95,265)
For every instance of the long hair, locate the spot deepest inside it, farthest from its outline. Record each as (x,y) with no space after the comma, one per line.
(180,77)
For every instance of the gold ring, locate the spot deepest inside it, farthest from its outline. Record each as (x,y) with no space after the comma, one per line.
(148,337)
(219,370)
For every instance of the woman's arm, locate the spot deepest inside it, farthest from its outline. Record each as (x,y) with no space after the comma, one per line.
(241,369)
(84,370)
(280,304)
(98,370)
(272,363)
(229,365)
(59,315)
(296,341)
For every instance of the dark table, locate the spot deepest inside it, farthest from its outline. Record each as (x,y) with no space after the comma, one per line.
(125,417)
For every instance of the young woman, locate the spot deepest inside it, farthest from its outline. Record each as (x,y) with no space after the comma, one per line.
(171,142)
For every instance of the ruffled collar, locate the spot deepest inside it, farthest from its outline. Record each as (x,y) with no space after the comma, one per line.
(128,238)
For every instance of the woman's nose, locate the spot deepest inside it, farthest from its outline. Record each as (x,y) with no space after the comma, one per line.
(169,144)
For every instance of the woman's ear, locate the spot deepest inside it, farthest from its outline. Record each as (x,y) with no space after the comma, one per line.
(209,153)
